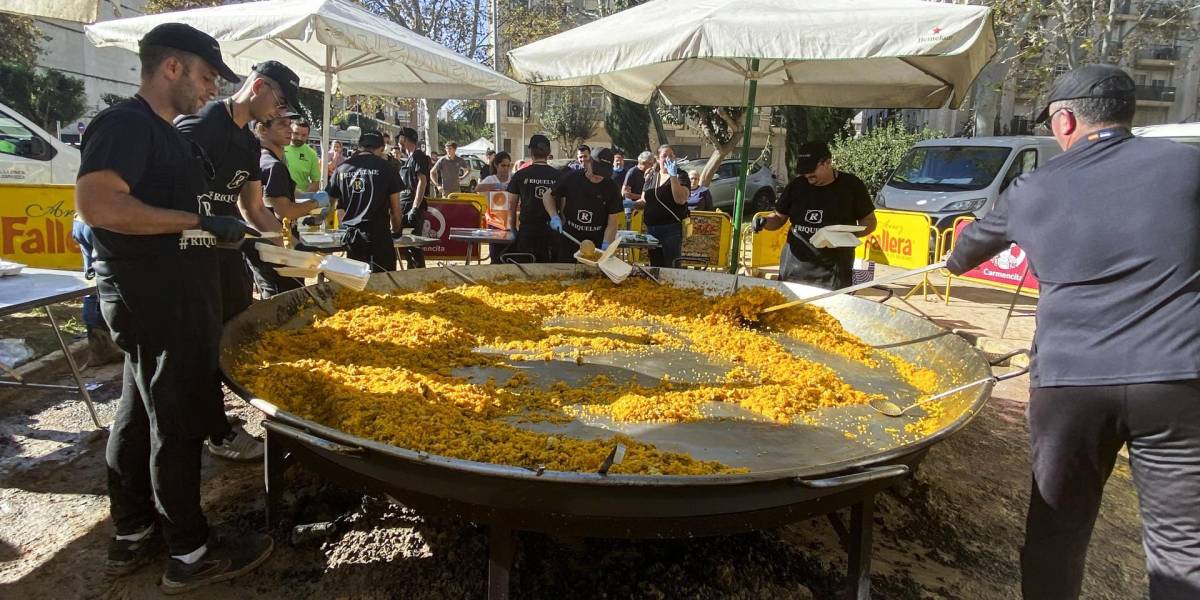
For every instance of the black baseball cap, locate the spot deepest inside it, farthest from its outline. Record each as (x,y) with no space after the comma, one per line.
(602,162)
(409,133)
(371,140)
(288,81)
(1089,81)
(539,141)
(189,39)
(810,155)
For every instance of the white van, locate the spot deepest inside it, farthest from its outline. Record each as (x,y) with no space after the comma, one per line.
(1184,133)
(30,155)
(953,177)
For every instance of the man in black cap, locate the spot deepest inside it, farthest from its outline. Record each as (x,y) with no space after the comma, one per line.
(585,204)
(279,193)
(138,187)
(819,197)
(414,174)
(530,185)
(220,128)
(368,190)
(1115,245)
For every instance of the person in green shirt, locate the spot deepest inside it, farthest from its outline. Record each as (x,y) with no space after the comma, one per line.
(302,161)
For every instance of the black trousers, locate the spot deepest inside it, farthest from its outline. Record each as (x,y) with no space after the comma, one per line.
(414,257)
(268,280)
(165,314)
(372,245)
(538,240)
(1076,433)
(237,285)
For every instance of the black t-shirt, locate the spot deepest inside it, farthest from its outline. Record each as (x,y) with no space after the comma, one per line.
(233,151)
(635,180)
(415,165)
(276,180)
(363,185)
(809,208)
(660,204)
(530,184)
(588,205)
(161,167)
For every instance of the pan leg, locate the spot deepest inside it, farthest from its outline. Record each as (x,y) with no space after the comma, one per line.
(500,560)
(273,467)
(858,576)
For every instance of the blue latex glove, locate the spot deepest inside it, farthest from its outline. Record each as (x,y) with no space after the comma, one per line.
(604,245)
(672,168)
(628,204)
(556,223)
(321,198)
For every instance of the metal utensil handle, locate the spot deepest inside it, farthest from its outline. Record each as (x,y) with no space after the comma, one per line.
(458,273)
(854,288)
(951,391)
(309,438)
(570,237)
(864,476)
(1011,374)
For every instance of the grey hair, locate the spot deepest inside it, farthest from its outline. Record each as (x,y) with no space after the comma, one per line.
(1101,111)
(645,156)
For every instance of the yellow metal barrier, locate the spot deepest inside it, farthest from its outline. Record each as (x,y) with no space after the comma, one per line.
(766,246)
(35,225)
(712,234)
(905,240)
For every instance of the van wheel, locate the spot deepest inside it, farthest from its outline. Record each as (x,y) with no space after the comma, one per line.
(764,201)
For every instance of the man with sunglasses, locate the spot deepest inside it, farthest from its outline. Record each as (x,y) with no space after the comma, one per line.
(139,186)
(220,128)
(1112,229)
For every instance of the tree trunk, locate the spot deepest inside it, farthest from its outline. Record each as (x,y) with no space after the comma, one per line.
(432,139)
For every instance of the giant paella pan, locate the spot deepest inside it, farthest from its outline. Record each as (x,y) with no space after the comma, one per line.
(542,397)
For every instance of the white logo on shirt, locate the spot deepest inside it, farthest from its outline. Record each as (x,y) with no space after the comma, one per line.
(814,216)
(584,216)
(539,192)
(239,177)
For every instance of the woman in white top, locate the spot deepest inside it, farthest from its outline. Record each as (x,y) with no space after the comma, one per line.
(501,171)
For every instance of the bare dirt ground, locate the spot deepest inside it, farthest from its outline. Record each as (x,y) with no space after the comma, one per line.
(953,532)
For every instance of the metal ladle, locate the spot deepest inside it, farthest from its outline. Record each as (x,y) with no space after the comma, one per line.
(892,409)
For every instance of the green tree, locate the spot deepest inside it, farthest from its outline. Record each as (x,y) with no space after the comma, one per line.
(720,126)
(810,124)
(20,40)
(46,97)
(873,156)
(568,120)
(110,99)
(628,124)
(161,6)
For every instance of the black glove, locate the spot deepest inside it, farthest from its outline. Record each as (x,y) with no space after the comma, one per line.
(759,222)
(225,229)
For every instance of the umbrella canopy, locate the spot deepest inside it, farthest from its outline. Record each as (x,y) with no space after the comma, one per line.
(365,53)
(79,11)
(332,45)
(848,53)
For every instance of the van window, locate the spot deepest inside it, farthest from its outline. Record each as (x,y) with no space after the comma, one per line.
(949,167)
(1026,162)
(13,136)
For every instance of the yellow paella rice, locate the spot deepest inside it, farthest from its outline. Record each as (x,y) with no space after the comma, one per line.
(383,367)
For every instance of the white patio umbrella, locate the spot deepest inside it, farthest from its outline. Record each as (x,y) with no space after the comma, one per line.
(79,11)
(847,53)
(332,45)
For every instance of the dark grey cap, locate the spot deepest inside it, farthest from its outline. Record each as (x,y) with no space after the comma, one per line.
(810,155)
(408,133)
(192,40)
(539,141)
(1089,81)
(602,162)
(287,80)
(371,140)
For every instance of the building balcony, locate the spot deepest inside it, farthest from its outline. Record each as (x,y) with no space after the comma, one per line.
(1130,10)
(1155,95)
(1159,57)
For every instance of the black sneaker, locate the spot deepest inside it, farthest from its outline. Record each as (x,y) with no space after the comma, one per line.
(125,557)
(226,558)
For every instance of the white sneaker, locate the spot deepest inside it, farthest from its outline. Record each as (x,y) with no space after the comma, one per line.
(239,446)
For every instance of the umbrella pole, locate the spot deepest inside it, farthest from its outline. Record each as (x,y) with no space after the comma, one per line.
(735,251)
(325,124)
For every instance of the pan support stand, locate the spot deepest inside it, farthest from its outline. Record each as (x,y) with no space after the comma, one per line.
(857,540)
(276,460)
(925,287)
(501,543)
